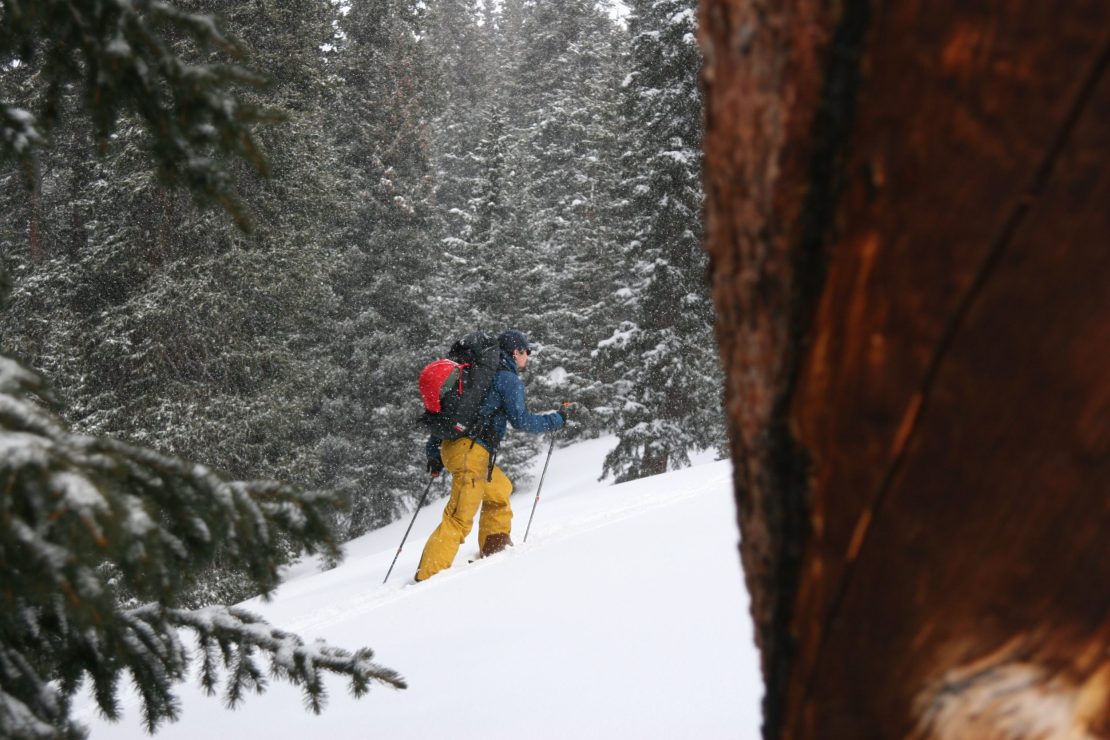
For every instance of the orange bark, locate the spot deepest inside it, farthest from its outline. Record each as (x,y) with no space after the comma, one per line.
(908,215)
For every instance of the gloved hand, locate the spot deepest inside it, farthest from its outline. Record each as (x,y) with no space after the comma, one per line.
(435,467)
(564,410)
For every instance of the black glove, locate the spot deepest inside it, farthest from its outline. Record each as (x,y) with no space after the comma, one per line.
(435,467)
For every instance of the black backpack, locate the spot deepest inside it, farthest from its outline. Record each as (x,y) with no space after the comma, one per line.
(454,388)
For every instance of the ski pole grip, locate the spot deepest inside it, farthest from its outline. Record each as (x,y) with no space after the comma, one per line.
(564,410)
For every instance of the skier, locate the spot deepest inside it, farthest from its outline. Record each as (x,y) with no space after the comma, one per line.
(475,479)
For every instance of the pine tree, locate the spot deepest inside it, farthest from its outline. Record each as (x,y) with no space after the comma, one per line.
(586,227)
(381,329)
(123,58)
(84,520)
(103,542)
(665,377)
(557,244)
(177,330)
(453,32)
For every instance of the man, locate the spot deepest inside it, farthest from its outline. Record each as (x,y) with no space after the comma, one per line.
(475,480)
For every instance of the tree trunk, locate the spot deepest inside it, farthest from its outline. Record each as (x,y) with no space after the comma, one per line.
(166,223)
(35,227)
(653,461)
(908,222)
(78,224)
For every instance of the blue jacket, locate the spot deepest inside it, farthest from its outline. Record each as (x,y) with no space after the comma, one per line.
(505,404)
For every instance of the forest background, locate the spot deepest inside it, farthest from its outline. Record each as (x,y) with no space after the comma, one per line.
(434,168)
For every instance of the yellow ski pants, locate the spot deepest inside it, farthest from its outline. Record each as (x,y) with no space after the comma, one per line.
(468,463)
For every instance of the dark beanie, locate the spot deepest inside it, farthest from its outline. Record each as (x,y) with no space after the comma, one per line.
(512,340)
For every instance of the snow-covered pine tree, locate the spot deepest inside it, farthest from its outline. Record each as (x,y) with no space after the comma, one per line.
(560,90)
(490,234)
(86,520)
(121,58)
(666,380)
(102,541)
(534,251)
(454,36)
(585,183)
(186,334)
(488,248)
(385,277)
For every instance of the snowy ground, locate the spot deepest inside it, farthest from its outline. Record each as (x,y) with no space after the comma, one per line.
(624,615)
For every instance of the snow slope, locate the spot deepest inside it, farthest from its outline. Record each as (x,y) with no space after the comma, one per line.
(624,615)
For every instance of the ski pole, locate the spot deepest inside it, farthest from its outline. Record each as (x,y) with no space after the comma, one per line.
(567,406)
(418,507)
(539,487)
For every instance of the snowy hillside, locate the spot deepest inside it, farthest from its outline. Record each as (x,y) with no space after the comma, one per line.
(624,615)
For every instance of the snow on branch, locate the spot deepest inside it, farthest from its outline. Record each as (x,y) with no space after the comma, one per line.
(235,634)
(124,55)
(85,522)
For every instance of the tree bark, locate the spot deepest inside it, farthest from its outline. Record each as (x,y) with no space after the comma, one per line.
(908,222)
(653,461)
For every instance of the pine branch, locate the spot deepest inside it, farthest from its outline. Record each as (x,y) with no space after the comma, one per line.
(31,708)
(82,518)
(238,634)
(124,54)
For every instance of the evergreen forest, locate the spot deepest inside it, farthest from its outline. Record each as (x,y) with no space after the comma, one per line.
(234,232)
